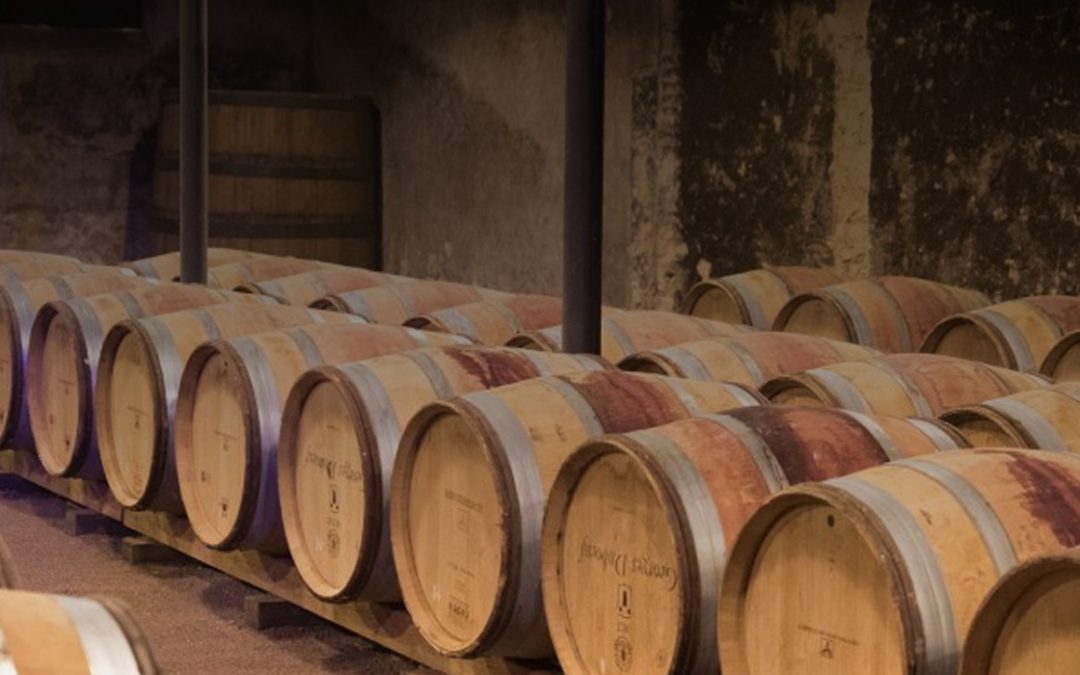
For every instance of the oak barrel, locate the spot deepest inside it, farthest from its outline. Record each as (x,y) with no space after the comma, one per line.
(397,303)
(749,359)
(24,270)
(469,485)
(289,174)
(138,382)
(1040,419)
(62,362)
(1017,334)
(234,276)
(166,266)
(339,436)
(61,635)
(754,298)
(307,287)
(638,525)
(892,562)
(19,304)
(905,385)
(494,322)
(228,421)
(11,255)
(1062,364)
(893,314)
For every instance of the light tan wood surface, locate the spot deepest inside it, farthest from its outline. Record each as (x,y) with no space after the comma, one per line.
(397,303)
(307,287)
(494,322)
(1040,419)
(755,297)
(166,266)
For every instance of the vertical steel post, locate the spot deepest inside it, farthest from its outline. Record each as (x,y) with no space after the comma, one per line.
(194,228)
(583,225)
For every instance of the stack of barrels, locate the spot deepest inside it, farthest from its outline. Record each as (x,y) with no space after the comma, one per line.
(799,473)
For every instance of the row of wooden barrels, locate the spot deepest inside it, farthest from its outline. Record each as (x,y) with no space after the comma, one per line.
(393,472)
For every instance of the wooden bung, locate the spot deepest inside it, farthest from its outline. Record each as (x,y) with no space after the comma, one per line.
(1062,364)
(1040,419)
(339,436)
(138,382)
(307,287)
(882,571)
(228,420)
(233,276)
(62,363)
(748,359)
(1030,622)
(638,525)
(754,298)
(893,314)
(904,385)
(1017,334)
(51,634)
(494,322)
(166,267)
(468,491)
(19,304)
(397,303)
(628,332)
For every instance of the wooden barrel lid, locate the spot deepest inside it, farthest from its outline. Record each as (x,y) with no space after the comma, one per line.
(713,299)
(985,427)
(59,396)
(791,390)
(968,337)
(816,314)
(1063,362)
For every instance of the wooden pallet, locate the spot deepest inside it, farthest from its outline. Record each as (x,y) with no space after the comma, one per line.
(386,625)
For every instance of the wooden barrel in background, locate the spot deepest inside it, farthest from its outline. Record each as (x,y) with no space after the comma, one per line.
(290,174)
(339,436)
(1062,364)
(166,266)
(19,304)
(1017,334)
(138,380)
(905,385)
(62,362)
(494,322)
(882,571)
(893,314)
(12,255)
(638,525)
(53,634)
(228,421)
(748,359)
(307,287)
(234,276)
(24,270)
(1040,419)
(1029,624)
(397,303)
(754,298)
(478,468)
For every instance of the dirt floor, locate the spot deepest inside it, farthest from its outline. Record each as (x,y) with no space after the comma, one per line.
(192,615)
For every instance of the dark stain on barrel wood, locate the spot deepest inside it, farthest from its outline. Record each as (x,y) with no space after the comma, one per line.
(1051,495)
(493,368)
(624,403)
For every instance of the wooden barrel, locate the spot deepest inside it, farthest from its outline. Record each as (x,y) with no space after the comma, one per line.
(397,303)
(1040,419)
(166,266)
(1030,622)
(234,276)
(469,486)
(638,525)
(1017,334)
(290,174)
(11,255)
(339,437)
(60,635)
(893,314)
(138,382)
(19,304)
(24,270)
(748,359)
(307,287)
(628,332)
(228,420)
(754,298)
(1062,364)
(905,385)
(494,322)
(882,571)
(62,362)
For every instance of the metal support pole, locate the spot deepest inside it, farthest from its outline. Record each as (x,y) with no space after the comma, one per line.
(583,226)
(194,230)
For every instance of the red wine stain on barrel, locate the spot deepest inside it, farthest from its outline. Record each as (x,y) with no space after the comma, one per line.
(624,402)
(1051,494)
(493,368)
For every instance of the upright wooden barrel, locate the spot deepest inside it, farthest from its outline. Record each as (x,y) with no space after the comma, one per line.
(882,571)
(228,421)
(893,314)
(138,382)
(754,298)
(397,303)
(638,525)
(61,635)
(307,287)
(290,174)
(1040,419)
(1017,334)
(19,304)
(62,363)
(166,266)
(1029,624)
(628,332)
(905,385)
(748,359)
(339,437)
(11,255)
(1062,364)
(236,275)
(468,491)
(494,322)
